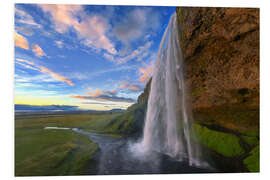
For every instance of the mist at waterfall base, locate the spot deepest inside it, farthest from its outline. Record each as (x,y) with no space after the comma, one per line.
(168,120)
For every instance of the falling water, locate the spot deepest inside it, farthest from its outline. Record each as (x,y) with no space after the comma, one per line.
(168,120)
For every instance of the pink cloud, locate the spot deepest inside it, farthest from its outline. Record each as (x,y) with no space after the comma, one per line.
(63,15)
(96,94)
(25,61)
(92,29)
(99,92)
(33,66)
(145,73)
(130,86)
(27,66)
(38,51)
(123,86)
(90,88)
(113,91)
(56,75)
(134,87)
(21,41)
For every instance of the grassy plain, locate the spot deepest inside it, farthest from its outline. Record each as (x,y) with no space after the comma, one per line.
(41,151)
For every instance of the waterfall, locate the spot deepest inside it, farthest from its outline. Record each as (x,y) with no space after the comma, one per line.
(168,120)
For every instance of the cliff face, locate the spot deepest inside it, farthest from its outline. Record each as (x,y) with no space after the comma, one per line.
(221,52)
(144,96)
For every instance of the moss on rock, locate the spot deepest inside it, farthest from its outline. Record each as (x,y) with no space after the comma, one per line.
(251,140)
(233,117)
(223,143)
(252,161)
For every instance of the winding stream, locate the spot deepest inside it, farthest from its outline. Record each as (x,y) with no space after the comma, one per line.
(117,157)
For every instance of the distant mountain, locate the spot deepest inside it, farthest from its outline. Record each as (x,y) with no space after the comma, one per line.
(117,110)
(24,107)
(29,108)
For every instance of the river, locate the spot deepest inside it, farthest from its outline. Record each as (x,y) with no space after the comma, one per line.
(116,157)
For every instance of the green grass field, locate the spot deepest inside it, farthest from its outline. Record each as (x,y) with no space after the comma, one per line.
(57,152)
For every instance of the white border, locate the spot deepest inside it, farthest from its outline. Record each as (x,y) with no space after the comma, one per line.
(6,99)
(221,3)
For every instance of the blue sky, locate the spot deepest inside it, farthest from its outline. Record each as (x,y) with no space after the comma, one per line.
(93,57)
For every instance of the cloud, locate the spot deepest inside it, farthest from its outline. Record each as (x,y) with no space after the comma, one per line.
(61,56)
(78,75)
(24,30)
(24,83)
(131,27)
(143,55)
(35,81)
(146,72)
(112,92)
(124,82)
(109,57)
(103,95)
(25,18)
(33,66)
(38,51)
(59,44)
(25,61)
(94,29)
(130,86)
(90,88)
(139,53)
(101,103)
(135,23)
(21,41)
(27,66)
(63,16)
(98,92)
(91,29)
(116,69)
(134,88)
(89,75)
(105,98)
(56,75)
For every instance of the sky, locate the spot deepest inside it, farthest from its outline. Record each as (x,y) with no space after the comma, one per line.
(91,57)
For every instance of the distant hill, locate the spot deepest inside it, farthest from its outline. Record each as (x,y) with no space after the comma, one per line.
(117,110)
(66,108)
(25,107)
